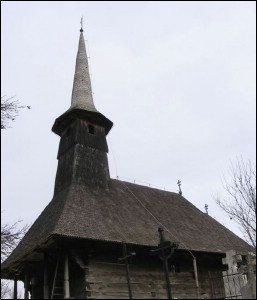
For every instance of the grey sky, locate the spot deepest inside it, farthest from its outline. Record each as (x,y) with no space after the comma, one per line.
(176,78)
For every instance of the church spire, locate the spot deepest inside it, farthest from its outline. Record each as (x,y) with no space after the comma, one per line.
(82,155)
(82,104)
(82,96)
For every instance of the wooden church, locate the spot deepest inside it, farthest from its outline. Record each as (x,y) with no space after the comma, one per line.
(102,238)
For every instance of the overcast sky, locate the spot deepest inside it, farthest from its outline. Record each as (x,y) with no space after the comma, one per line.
(176,78)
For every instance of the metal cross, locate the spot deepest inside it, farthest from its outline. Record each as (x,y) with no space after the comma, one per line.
(179,184)
(125,258)
(81,23)
(206,208)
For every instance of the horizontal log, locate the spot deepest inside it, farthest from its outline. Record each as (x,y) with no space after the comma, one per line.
(108,281)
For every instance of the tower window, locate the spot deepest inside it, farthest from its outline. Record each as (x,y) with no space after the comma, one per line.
(91,129)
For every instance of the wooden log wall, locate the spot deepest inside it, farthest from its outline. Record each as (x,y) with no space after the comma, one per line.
(108,281)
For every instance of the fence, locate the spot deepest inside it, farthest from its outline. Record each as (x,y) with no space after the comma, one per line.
(225,285)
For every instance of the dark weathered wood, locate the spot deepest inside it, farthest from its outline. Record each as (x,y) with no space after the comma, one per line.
(108,281)
(125,258)
(82,156)
(165,250)
(15,288)
(46,286)
(26,284)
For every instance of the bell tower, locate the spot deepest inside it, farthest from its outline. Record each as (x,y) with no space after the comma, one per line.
(82,155)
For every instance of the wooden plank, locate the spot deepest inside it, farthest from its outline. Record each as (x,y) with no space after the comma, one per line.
(108,281)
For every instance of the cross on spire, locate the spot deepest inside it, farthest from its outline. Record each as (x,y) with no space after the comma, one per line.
(81,23)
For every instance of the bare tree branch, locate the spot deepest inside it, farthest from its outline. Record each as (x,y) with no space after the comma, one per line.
(240,205)
(10,234)
(10,237)
(10,110)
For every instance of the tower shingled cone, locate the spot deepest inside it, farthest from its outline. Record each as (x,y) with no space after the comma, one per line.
(82,105)
(82,97)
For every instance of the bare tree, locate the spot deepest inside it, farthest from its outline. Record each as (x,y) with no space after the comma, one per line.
(10,237)
(9,110)
(240,205)
(10,234)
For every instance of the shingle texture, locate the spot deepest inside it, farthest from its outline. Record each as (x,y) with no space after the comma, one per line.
(122,213)
(82,91)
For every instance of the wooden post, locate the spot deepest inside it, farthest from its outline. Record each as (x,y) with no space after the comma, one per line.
(196,278)
(46,287)
(26,284)
(15,288)
(66,277)
(165,250)
(251,276)
(33,281)
(125,258)
(127,271)
(165,264)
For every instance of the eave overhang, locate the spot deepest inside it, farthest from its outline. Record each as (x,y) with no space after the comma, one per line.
(68,117)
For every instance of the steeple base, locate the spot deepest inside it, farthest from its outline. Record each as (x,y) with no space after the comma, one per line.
(82,165)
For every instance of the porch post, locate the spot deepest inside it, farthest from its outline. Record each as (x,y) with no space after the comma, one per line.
(66,277)
(15,288)
(46,287)
(26,284)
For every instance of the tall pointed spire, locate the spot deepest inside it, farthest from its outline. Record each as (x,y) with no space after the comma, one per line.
(82,104)
(82,96)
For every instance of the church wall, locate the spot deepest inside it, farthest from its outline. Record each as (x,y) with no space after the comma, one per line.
(107,280)
(99,275)
(77,281)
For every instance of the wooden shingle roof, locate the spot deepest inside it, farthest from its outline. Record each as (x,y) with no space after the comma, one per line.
(123,213)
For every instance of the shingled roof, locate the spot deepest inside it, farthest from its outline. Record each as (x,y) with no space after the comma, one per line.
(122,213)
